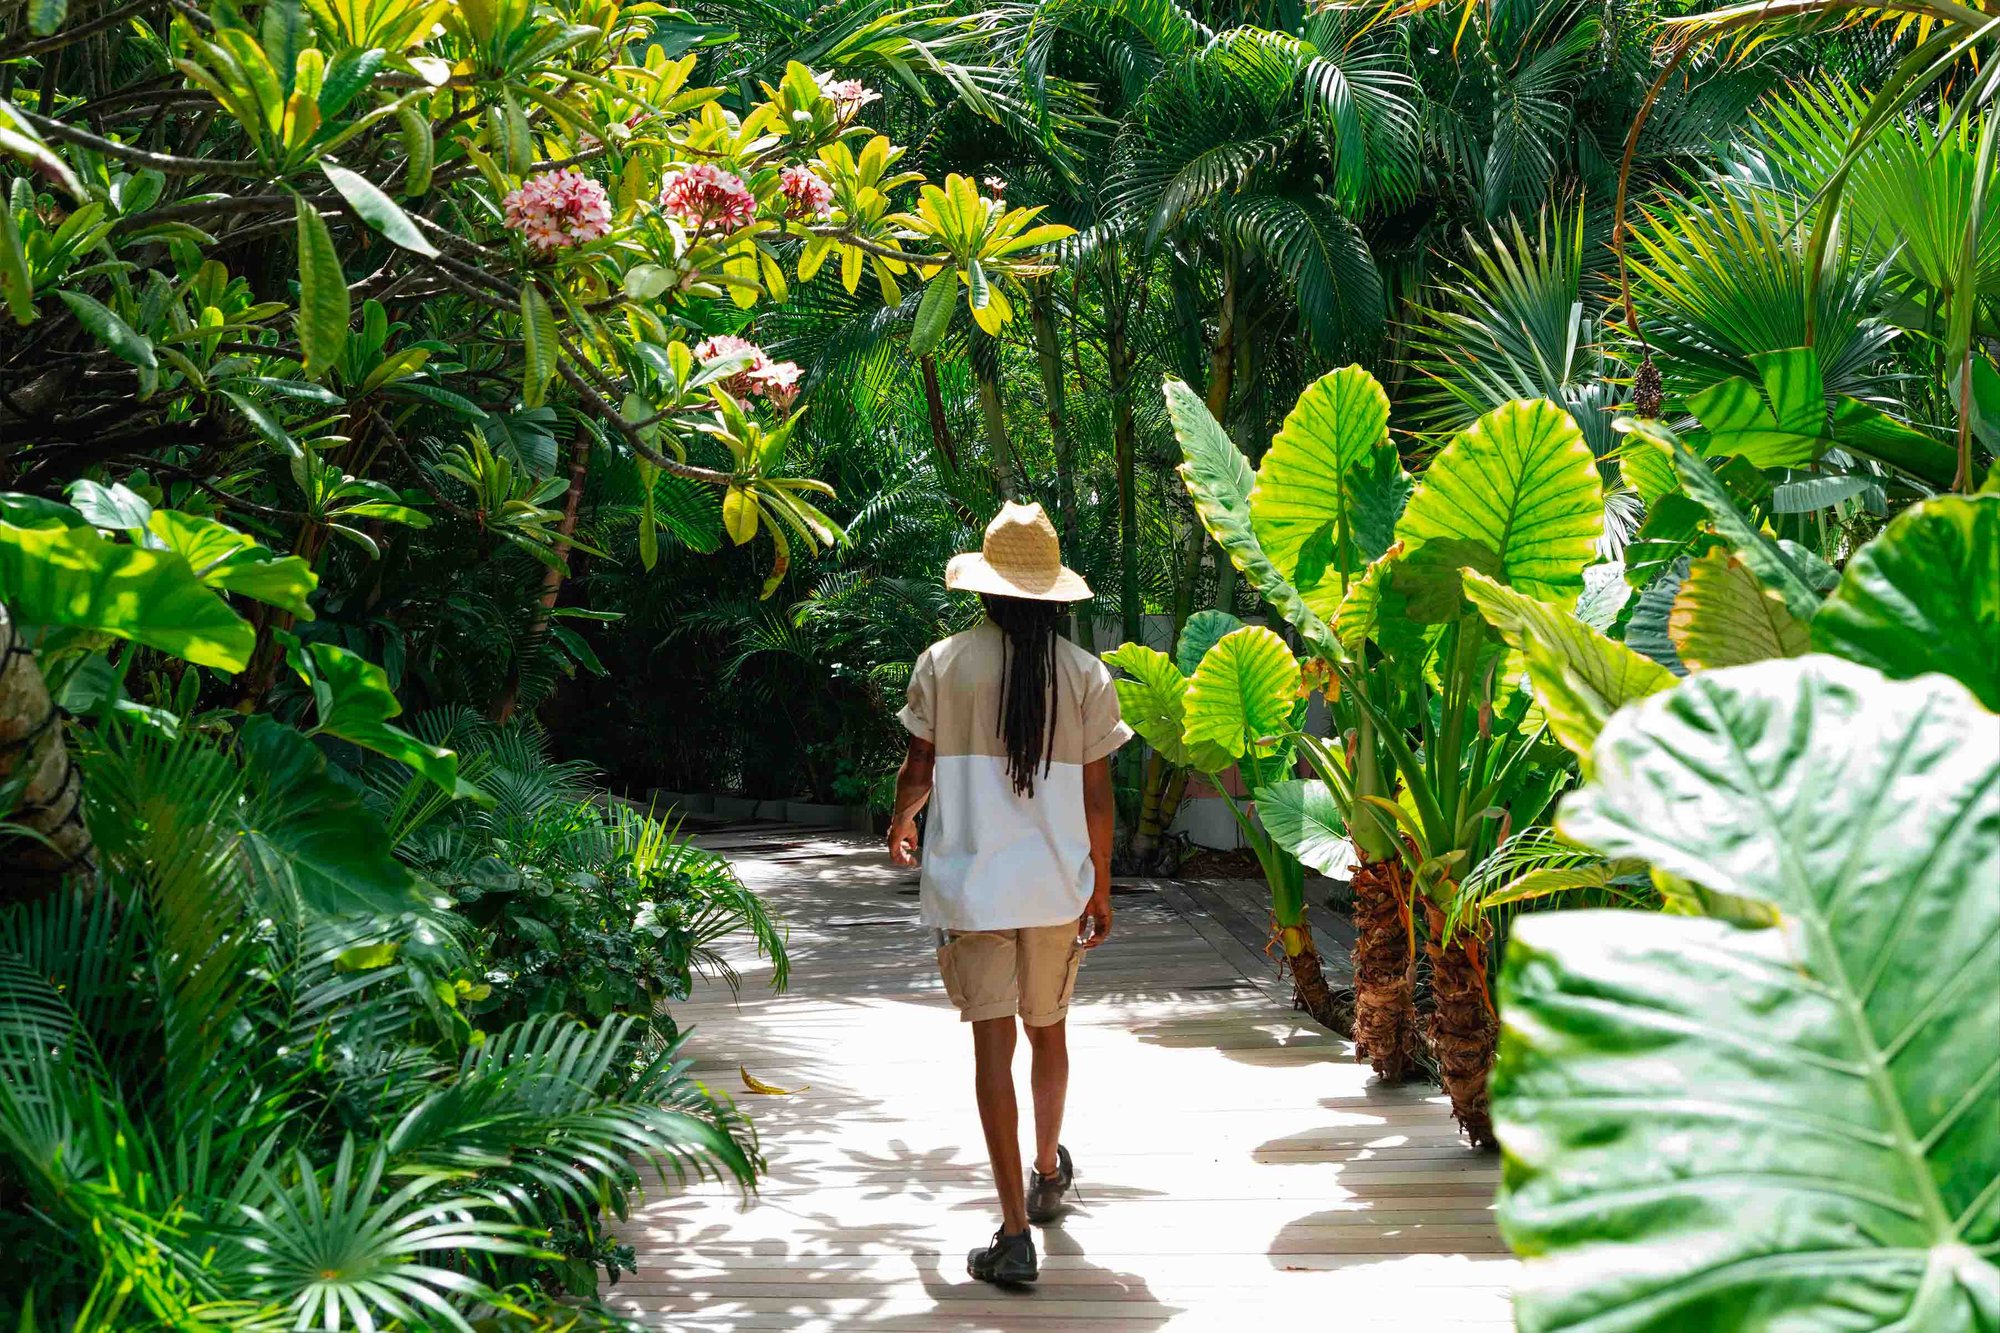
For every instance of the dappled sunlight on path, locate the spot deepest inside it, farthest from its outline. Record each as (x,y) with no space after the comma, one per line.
(1235,1166)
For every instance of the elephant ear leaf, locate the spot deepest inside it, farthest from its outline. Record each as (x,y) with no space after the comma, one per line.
(1715,1128)
(1924,596)
(1722,616)
(1152,698)
(1243,692)
(1521,483)
(1204,629)
(1580,677)
(1304,818)
(1219,482)
(1304,506)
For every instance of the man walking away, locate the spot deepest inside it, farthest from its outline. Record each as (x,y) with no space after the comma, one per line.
(1012,728)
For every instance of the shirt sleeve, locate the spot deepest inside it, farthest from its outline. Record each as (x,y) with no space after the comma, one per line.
(1103,729)
(919,715)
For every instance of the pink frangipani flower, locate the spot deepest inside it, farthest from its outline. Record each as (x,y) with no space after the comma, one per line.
(847,95)
(777,382)
(806,195)
(704,195)
(556,209)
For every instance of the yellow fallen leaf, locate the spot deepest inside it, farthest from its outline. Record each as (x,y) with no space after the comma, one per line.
(759,1086)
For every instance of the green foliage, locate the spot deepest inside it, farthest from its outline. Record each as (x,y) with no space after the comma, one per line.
(1519,484)
(1240,698)
(578,908)
(1841,1154)
(1924,596)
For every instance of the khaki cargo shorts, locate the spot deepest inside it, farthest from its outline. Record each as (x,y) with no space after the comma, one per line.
(1000,973)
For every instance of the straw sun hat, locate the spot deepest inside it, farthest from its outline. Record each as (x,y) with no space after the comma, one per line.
(1021,558)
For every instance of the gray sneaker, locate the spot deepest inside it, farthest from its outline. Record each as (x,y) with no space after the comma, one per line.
(1008,1262)
(1045,1193)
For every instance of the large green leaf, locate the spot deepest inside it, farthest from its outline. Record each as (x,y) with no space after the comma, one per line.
(1722,616)
(224,558)
(1580,677)
(1924,596)
(76,578)
(1204,629)
(1728,1130)
(1304,492)
(1520,482)
(1152,698)
(1303,818)
(1219,481)
(305,825)
(324,302)
(1243,692)
(355,703)
(1780,423)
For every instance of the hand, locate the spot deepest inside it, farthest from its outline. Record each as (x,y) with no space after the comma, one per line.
(1095,923)
(903,843)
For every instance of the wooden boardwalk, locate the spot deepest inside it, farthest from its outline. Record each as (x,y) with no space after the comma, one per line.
(1238,1172)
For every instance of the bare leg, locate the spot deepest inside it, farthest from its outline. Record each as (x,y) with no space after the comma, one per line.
(993,1082)
(1049,1077)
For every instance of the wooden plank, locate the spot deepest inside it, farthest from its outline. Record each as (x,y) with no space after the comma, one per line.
(1238,1168)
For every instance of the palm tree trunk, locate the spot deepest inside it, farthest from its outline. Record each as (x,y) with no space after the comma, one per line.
(1385,1015)
(1310,992)
(1463,1028)
(1124,440)
(999,450)
(934,407)
(1048,352)
(49,809)
(552,578)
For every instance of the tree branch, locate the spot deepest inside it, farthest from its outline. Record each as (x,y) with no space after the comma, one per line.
(163,162)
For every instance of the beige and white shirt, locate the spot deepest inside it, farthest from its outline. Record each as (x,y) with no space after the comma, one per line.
(994,859)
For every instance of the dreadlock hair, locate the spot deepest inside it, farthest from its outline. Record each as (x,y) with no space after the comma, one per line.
(1027,683)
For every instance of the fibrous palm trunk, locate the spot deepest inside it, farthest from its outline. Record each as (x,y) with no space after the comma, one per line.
(1462,1026)
(1310,992)
(33,760)
(1385,1014)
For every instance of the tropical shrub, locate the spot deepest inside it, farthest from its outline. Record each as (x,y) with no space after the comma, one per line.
(244,1077)
(576,903)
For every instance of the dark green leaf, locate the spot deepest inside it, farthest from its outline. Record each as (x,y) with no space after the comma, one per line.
(538,330)
(324,303)
(377,209)
(1924,596)
(934,312)
(110,330)
(355,703)
(304,824)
